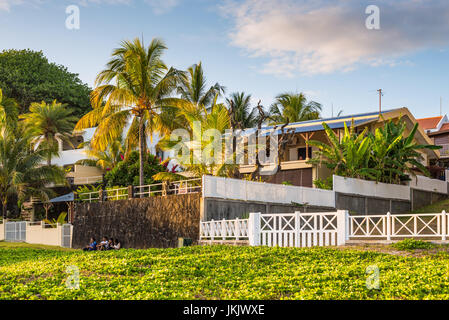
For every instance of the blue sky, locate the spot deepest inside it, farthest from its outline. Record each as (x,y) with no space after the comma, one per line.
(262,47)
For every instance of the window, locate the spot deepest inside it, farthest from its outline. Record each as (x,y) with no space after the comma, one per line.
(302,153)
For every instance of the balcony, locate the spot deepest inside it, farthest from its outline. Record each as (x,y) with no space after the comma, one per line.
(285,165)
(444,152)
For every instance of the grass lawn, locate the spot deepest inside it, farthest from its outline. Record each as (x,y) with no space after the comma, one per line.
(220,272)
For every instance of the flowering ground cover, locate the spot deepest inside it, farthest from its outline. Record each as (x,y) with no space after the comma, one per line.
(220,272)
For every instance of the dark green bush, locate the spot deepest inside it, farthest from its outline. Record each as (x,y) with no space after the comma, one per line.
(412,244)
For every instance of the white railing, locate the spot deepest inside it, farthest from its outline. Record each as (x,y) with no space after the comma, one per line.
(224,230)
(157,189)
(87,180)
(283,229)
(419,225)
(117,194)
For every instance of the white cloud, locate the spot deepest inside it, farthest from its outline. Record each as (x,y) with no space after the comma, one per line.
(162,6)
(323,36)
(5,5)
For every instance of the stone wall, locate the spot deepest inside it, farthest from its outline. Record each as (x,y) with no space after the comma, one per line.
(155,222)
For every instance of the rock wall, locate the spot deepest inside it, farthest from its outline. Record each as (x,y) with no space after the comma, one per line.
(155,222)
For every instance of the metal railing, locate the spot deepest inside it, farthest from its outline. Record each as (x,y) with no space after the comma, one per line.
(157,189)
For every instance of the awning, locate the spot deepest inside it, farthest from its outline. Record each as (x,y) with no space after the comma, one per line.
(66,198)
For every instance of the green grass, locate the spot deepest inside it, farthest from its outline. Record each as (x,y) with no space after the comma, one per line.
(412,244)
(436,207)
(220,272)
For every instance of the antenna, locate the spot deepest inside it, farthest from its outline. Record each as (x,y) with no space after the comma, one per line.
(441,106)
(332,109)
(380,101)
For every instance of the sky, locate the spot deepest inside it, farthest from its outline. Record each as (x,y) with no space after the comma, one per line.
(262,47)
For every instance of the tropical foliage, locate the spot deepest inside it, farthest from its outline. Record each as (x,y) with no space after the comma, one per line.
(126,173)
(107,159)
(48,123)
(221,272)
(385,156)
(134,88)
(244,115)
(8,110)
(27,76)
(293,107)
(199,158)
(21,172)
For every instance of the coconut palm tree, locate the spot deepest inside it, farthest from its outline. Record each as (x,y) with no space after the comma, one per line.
(107,159)
(48,123)
(293,107)
(198,165)
(9,110)
(21,172)
(192,87)
(242,114)
(135,87)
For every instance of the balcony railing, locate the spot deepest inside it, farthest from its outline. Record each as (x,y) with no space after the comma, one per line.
(444,151)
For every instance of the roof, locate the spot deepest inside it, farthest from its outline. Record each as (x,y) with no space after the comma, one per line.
(317,125)
(429,123)
(66,198)
(443,130)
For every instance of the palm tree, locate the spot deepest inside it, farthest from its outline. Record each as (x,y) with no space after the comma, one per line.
(217,119)
(242,115)
(293,107)
(107,159)
(135,86)
(21,172)
(8,110)
(193,87)
(49,123)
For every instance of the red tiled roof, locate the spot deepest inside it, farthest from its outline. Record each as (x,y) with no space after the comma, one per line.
(445,127)
(429,123)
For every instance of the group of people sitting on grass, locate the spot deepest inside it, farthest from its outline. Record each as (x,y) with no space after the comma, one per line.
(105,244)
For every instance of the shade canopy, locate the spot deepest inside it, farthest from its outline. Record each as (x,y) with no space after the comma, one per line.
(65,198)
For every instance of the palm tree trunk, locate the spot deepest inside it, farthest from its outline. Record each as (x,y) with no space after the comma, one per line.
(4,208)
(141,151)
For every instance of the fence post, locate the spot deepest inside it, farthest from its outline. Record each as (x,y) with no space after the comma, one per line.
(223,229)
(444,225)
(297,228)
(342,227)
(212,229)
(388,226)
(237,229)
(254,229)
(130,192)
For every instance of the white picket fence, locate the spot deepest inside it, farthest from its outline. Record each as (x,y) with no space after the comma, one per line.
(390,227)
(325,228)
(283,230)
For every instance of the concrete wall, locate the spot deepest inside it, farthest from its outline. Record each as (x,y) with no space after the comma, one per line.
(370,188)
(2,232)
(219,209)
(155,222)
(235,189)
(428,184)
(37,234)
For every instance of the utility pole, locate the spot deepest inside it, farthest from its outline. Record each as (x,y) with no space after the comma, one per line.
(380,101)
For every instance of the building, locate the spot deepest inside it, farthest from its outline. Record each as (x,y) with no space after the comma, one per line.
(294,167)
(437,128)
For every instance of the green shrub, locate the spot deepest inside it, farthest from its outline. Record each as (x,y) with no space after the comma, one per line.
(326,184)
(412,244)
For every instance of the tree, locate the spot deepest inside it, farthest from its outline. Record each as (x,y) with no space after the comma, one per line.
(136,85)
(8,110)
(385,156)
(27,76)
(126,173)
(208,163)
(294,107)
(47,123)
(241,113)
(192,87)
(21,172)
(107,159)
